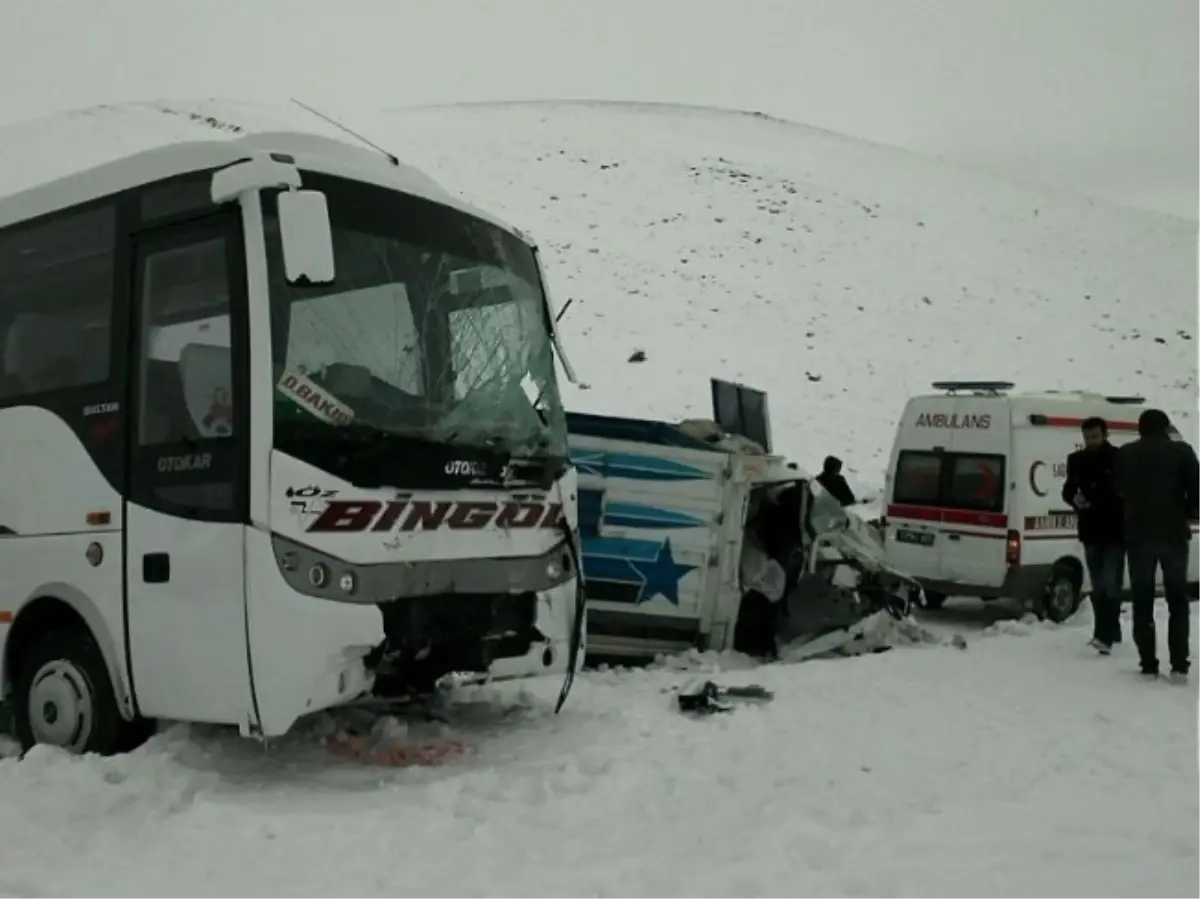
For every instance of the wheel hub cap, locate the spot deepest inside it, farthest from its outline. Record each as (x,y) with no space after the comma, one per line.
(61,709)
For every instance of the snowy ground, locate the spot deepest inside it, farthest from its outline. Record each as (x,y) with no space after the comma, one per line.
(841,277)
(1023,765)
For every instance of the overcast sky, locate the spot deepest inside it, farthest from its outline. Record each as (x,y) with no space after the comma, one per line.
(1098,96)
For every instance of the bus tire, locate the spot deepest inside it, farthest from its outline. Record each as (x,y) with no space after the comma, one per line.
(64,697)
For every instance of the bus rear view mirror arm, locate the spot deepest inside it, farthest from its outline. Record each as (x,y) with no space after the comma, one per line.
(304,228)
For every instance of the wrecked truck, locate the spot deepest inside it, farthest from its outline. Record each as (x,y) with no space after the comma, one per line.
(694,535)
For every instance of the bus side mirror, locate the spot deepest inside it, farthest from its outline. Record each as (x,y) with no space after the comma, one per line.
(307,237)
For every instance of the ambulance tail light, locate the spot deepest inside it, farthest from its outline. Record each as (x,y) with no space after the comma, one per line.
(1012,549)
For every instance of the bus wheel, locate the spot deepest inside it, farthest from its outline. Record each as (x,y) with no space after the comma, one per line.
(64,696)
(934,600)
(1063,595)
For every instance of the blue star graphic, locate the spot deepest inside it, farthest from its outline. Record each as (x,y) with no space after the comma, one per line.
(661,576)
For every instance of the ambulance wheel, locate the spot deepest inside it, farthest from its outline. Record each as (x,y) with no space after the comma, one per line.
(1063,595)
(934,600)
(64,697)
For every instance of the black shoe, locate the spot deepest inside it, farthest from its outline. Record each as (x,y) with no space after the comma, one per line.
(1150,672)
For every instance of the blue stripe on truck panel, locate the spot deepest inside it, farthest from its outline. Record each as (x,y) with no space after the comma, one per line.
(636,515)
(595,514)
(635,466)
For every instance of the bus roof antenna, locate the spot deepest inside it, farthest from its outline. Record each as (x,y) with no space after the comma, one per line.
(336,124)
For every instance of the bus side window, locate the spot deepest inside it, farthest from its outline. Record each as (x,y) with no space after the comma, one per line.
(42,352)
(57,285)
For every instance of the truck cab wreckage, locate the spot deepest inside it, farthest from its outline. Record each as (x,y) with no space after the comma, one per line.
(695,536)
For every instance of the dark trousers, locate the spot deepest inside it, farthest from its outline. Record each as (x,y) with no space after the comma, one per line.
(1145,558)
(1106,569)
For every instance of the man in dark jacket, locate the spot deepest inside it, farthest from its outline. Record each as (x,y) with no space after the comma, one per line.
(1159,480)
(1091,490)
(834,483)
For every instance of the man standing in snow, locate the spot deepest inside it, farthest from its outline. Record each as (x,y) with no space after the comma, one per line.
(1091,490)
(832,480)
(1159,480)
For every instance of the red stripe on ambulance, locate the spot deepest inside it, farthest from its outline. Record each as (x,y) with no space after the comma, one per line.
(939,515)
(1067,421)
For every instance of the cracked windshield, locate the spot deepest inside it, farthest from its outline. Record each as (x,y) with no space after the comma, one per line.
(435,330)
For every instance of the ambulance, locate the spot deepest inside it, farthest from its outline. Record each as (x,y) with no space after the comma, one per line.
(974,493)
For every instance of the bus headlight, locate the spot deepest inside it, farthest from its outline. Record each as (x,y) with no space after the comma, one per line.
(348,582)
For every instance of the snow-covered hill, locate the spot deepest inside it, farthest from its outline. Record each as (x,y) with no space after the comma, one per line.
(839,275)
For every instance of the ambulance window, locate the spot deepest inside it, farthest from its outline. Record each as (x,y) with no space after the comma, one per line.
(977,483)
(918,476)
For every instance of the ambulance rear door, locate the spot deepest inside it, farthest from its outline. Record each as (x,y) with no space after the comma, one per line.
(914,489)
(978,487)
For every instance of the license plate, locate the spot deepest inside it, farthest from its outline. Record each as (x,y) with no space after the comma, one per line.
(915,538)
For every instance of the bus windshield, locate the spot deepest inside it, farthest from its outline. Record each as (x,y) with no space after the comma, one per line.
(434,335)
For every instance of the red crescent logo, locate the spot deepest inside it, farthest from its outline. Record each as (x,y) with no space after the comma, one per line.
(1033,470)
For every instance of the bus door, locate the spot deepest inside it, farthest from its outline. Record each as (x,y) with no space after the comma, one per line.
(187,497)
